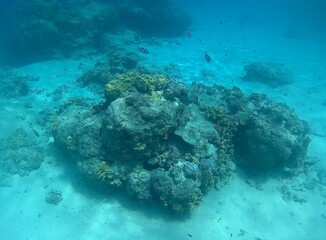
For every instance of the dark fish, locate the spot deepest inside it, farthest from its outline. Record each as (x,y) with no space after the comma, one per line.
(189,34)
(189,235)
(207,57)
(28,105)
(35,132)
(143,50)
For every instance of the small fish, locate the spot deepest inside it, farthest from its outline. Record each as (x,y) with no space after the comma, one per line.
(189,235)
(36,133)
(189,34)
(207,57)
(28,105)
(143,50)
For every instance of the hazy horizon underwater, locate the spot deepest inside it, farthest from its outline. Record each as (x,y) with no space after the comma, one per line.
(165,119)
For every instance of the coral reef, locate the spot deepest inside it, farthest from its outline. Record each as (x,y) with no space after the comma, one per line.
(43,29)
(163,142)
(269,73)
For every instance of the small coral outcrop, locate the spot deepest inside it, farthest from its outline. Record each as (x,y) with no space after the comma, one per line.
(22,151)
(53,197)
(269,73)
(272,137)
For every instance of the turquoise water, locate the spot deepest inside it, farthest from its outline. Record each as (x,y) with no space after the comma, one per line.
(135,119)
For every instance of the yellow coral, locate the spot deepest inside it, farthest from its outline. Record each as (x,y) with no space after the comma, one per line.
(210,181)
(195,199)
(104,171)
(178,208)
(144,83)
(156,97)
(71,143)
(225,127)
(139,147)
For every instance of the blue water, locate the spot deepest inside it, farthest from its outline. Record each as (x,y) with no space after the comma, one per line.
(45,48)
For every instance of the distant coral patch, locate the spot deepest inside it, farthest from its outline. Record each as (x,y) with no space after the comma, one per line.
(269,73)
